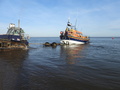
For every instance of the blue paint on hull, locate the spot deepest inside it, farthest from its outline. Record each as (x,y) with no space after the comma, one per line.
(78,40)
(10,37)
(14,38)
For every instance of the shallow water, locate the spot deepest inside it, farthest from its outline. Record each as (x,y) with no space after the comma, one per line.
(94,66)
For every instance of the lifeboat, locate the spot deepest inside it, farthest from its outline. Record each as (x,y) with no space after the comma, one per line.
(72,36)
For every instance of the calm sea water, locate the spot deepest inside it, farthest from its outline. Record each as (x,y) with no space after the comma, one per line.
(94,66)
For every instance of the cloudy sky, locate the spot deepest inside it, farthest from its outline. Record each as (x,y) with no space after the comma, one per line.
(46,18)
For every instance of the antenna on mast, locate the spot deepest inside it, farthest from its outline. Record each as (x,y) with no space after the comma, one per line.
(18,23)
(75,24)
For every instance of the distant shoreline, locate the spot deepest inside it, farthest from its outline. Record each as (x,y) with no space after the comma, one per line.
(90,37)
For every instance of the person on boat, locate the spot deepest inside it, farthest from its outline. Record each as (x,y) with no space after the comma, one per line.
(66,34)
(61,35)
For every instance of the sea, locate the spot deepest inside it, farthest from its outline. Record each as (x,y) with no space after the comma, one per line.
(93,66)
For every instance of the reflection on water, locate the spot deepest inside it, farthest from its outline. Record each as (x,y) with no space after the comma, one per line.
(72,53)
(10,67)
(15,58)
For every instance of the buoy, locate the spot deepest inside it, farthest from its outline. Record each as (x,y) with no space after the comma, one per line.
(54,44)
(112,37)
(47,44)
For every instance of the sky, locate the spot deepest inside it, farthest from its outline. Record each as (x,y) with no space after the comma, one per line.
(46,18)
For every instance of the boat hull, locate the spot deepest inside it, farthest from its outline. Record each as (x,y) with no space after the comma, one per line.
(6,44)
(64,41)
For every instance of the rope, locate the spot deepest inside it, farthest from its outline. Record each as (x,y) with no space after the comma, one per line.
(37,43)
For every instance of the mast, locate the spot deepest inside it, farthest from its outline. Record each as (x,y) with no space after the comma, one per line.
(75,24)
(19,23)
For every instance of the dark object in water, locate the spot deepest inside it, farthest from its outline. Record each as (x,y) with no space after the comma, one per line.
(14,38)
(46,44)
(54,44)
